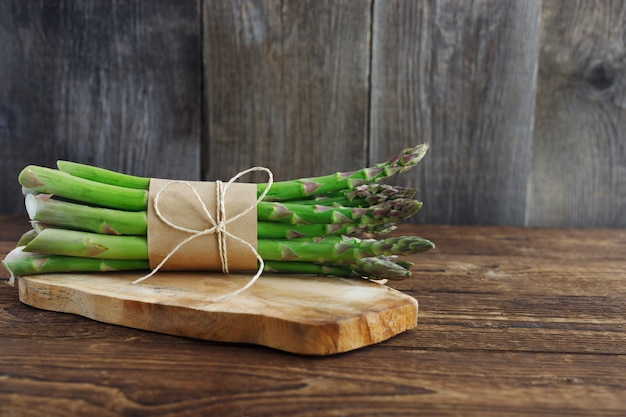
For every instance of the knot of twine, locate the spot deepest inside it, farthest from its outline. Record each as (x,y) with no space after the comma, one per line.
(218,225)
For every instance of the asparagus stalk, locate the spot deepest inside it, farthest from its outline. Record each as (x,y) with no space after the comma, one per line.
(307,187)
(19,262)
(104,176)
(62,214)
(274,230)
(400,245)
(403,263)
(27,237)
(335,248)
(377,193)
(325,250)
(79,216)
(51,181)
(379,268)
(361,196)
(329,220)
(388,212)
(372,267)
(308,268)
(32,177)
(90,245)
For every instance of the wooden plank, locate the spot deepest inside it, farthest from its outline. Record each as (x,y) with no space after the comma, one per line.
(525,276)
(566,244)
(100,377)
(498,303)
(579,157)
(520,289)
(505,321)
(116,85)
(459,75)
(503,329)
(299,314)
(287,86)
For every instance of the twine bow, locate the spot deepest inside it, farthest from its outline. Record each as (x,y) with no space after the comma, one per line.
(218,225)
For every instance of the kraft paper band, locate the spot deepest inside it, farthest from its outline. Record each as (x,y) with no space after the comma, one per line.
(230,206)
(181,206)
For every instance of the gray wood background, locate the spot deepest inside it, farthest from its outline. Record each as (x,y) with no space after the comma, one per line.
(523,102)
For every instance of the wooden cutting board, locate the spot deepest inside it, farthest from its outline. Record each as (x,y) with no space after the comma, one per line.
(299,314)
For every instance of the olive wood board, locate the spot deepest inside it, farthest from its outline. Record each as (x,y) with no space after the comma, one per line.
(309,315)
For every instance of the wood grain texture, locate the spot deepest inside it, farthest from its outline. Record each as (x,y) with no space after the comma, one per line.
(460,76)
(112,84)
(299,314)
(287,86)
(513,321)
(579,157)
(203,89)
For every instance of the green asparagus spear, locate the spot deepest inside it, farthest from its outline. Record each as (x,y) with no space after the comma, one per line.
(308,268)
(388,212)
(52,181)
(275,230)
(27,237)
(92,245)
(19,263)
(373,267)
(332,248)
(65,214)
(377,193)
(62,214)
(361,196)
(104,176)
(307,187)
(281,190)
(378,268)
(397,245)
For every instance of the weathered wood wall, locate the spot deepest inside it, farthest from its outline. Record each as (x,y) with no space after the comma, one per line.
(579,144)
(522,102)
(115,84)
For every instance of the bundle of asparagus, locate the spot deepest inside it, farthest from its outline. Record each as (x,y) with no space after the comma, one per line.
(88,219)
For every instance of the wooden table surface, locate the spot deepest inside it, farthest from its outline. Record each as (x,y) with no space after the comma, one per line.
(512,321)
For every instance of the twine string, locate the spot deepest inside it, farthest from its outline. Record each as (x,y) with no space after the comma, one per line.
(218,225)
(221,225)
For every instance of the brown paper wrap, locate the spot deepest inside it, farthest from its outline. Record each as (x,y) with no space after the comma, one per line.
(179,205)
